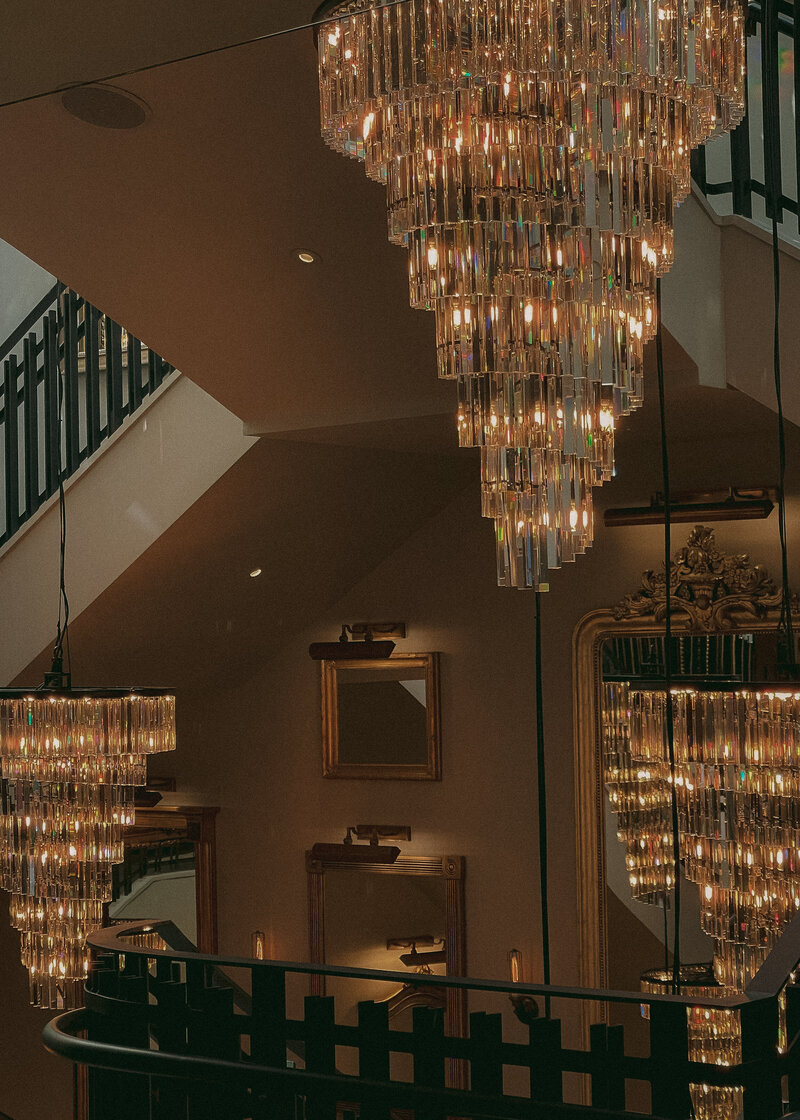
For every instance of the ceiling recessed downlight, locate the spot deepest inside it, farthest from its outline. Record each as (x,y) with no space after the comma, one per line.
(255,572)
(307,256)
(106,106)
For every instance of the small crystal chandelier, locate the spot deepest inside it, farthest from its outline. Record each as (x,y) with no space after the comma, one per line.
(70,761)
(532,155)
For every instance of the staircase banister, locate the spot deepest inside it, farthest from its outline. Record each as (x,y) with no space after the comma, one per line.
(61,1036)
(112,940)
(31,320)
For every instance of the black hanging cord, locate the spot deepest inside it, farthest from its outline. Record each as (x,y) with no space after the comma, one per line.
(786,651)
(316,21)
(676,838)
(541,784)
(62,626)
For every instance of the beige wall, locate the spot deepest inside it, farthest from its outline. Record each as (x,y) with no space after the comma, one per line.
(255,750)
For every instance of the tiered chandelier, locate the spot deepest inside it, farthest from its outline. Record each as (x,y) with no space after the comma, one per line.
(532,154)
(70,761)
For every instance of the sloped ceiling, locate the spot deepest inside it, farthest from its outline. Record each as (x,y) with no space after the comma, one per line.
(184,229)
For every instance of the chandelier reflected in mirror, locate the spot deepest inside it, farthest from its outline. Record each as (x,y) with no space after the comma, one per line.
(532,155)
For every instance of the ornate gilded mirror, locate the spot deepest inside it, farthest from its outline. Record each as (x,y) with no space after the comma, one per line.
(725,611)
(381,718)
(389,916)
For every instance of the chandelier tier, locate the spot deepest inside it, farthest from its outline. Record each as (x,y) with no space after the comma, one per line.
(532,155)
(70,762)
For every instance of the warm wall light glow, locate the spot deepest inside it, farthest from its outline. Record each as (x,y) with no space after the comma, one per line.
(255,572)
(306,256)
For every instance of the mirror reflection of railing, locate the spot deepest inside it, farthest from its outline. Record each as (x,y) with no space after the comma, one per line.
(106,375)
(212,1061)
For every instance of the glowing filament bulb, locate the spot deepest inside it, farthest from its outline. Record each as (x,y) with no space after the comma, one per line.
(528,312)
(433,257)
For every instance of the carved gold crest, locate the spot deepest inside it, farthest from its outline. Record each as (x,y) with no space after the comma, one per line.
(710,589)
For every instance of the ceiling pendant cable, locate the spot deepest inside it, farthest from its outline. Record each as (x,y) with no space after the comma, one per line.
(787,668)
(541,787)
(668,667)
(59,675)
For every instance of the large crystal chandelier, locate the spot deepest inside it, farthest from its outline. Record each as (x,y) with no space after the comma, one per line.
(70,761)
(532,154)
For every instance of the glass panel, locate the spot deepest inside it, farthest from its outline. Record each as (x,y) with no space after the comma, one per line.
(382,716)
(364,911)
(157,881)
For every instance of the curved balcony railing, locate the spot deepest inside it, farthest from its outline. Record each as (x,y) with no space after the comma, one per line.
(167,1037)
(65,359)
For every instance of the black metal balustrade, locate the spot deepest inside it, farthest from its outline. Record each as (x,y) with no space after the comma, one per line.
(167,1039)
(757,140)
(69,359)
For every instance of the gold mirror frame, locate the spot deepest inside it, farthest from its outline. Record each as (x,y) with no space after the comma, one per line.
(450,868)
(711,592)
(431,770)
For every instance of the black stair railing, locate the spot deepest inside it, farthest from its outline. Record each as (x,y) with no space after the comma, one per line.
(165,1039)
(768,139)
(70,376)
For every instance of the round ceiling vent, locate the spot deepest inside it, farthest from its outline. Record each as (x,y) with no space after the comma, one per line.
(105,106)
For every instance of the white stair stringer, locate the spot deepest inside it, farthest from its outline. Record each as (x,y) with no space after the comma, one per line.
(138,483)
(717,303)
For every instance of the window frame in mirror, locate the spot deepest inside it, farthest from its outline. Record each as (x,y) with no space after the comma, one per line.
(333,767)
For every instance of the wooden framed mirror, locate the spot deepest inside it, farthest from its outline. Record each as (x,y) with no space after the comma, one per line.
(381,718)
(355,909)
(724,615)
(170,871)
